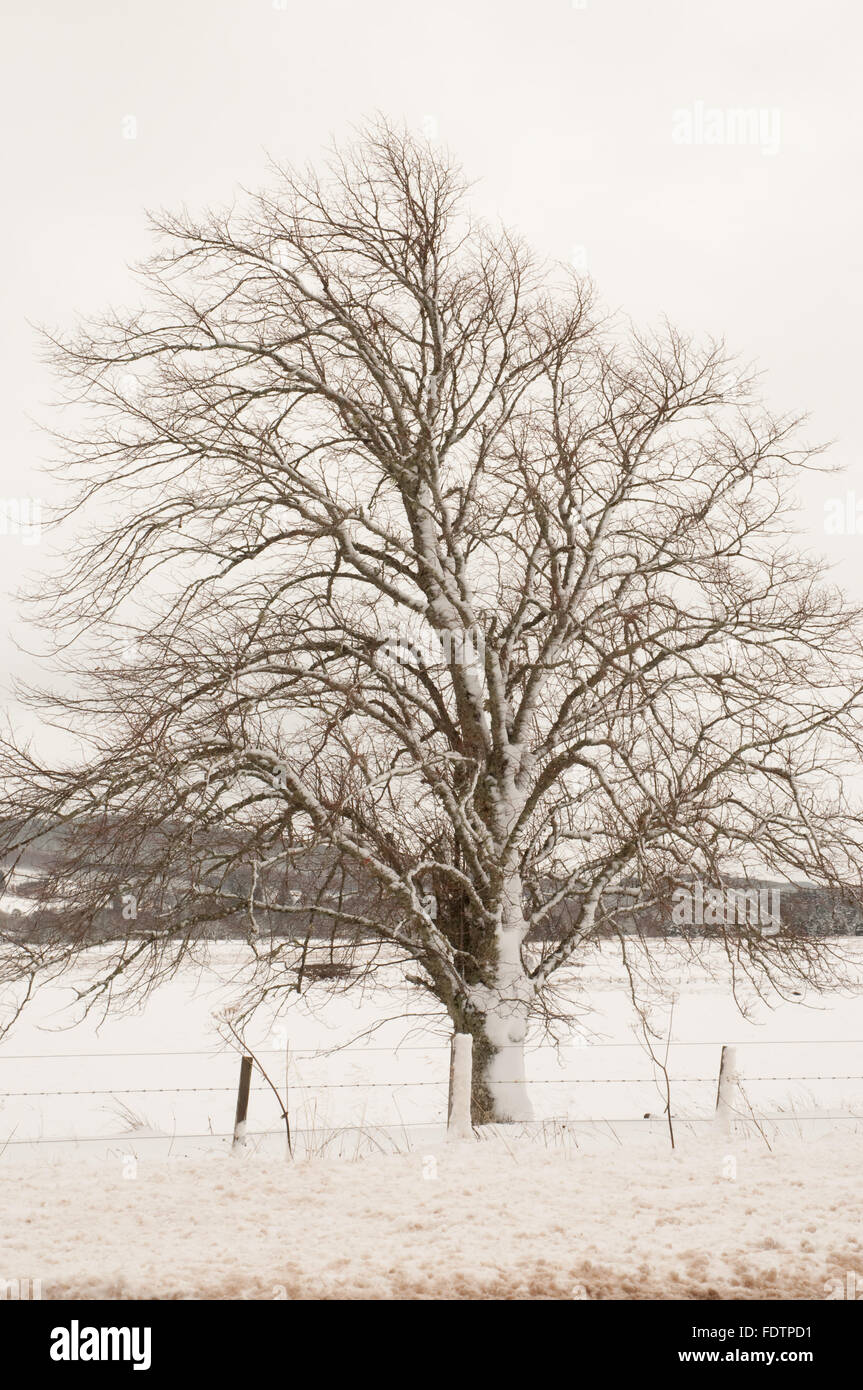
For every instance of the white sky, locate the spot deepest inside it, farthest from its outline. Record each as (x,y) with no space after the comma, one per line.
(564,113)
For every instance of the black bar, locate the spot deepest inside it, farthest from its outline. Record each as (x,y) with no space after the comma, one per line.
(632,1337)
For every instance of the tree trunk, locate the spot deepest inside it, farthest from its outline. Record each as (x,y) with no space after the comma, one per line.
(496,1013)
(499,1091)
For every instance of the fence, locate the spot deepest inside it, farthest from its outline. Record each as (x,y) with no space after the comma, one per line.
(400,1094)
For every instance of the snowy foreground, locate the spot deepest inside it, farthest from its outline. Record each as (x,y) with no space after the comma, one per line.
(117,1177)
(717,1218)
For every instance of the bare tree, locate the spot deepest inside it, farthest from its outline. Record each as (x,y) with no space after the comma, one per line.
(446,597)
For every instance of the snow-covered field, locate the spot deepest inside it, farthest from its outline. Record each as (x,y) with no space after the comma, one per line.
(116,1177)
(163,1082)
(714,1219)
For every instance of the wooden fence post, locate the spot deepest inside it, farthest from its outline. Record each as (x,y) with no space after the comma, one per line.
(460,1074)
(242,1102)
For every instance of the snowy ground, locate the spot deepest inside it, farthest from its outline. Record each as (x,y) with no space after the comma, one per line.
(116,1177)
(715,1219)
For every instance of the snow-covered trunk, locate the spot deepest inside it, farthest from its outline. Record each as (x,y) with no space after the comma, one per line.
(504,1070)
(498,1019)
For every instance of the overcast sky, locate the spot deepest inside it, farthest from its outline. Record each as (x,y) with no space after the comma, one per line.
(602,131)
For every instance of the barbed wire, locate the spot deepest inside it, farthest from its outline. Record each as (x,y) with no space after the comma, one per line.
(400,1083)
(339,1049)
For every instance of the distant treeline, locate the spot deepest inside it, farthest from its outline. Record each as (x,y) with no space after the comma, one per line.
(319,882)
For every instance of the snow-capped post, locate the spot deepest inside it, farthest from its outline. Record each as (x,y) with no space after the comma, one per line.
(726,1091)
(242,1103)
(460,1073)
